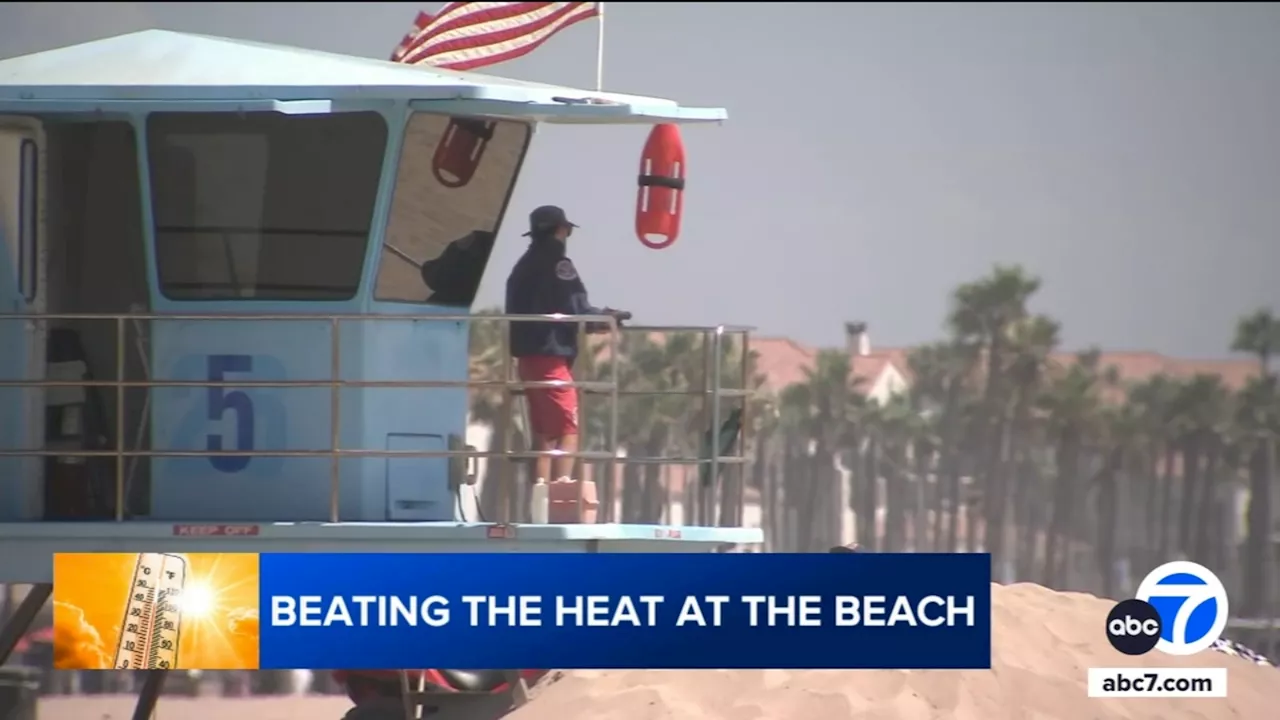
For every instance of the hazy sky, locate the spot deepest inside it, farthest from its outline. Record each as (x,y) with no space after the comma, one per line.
(878,155)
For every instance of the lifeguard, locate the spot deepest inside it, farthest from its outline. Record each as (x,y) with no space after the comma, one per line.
(545,281)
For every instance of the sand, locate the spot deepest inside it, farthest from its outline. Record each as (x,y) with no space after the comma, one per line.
(1044,642)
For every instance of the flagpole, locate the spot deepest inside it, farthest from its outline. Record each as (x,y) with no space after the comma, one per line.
(600,51)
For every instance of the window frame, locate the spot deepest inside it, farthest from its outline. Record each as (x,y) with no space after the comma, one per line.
(29,220)
(385,246)
(154,135)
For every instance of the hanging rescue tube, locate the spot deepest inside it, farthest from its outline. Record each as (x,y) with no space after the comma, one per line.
(660,197)
(461,147)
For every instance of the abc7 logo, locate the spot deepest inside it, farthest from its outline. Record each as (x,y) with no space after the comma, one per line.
(1181,609)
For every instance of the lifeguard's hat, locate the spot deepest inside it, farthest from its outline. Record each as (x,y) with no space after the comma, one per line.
(547,217)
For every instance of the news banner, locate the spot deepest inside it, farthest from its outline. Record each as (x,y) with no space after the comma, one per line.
(563,611)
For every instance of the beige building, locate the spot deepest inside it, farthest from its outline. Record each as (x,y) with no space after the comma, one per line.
(885,371)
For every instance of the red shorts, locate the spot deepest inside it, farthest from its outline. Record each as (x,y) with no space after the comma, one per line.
(553,411)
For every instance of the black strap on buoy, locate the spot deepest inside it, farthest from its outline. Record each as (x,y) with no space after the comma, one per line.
(479,128)
(661,181)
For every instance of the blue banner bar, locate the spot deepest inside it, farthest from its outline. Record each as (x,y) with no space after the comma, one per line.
(525,611)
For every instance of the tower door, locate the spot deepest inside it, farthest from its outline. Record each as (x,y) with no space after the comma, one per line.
(22,340)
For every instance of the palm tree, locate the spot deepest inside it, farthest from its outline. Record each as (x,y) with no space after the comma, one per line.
(486,363)
(891,428)
(1120,428)
(1200,413)
(1071,403)
(1152,403)
(1259,334)
(947,369)
(816,415)
(664,412)
(795,422)
(739,372)
(766,449)
(984,312)
(934,395)
(1031,343)
(1049,455)
(638,433)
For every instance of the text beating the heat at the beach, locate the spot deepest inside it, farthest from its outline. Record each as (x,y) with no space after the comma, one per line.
(625,610)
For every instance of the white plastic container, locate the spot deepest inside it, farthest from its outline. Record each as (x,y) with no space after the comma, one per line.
(539,503)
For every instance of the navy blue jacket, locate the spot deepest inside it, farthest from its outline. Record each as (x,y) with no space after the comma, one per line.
(544,281)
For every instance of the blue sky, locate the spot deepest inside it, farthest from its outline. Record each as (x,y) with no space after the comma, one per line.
(879,154)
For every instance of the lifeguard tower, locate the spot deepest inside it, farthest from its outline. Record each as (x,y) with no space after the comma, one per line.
(215,334)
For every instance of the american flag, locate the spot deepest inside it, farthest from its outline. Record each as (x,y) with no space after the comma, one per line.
(419,23)
(469,35)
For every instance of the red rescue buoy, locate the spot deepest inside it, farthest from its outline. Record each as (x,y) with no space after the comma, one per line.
(660,198)
(461,147)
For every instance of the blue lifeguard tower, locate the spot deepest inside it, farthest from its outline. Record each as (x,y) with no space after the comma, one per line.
(215,333)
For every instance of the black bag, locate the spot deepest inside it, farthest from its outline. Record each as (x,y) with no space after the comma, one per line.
(454,276)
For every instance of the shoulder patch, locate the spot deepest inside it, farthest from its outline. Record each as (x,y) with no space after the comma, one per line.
(565,270)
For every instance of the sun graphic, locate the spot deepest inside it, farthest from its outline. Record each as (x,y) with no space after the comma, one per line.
(218,608)
(198,601)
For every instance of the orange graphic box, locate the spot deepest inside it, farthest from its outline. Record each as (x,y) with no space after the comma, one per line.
(155,611)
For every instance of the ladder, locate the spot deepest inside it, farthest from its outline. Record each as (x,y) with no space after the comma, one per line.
(420,702)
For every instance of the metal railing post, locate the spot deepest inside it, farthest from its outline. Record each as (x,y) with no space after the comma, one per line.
(743,471)
(580,329)
(1271,589)
(335,421)
(611,465)
(120,434)
(699,494)
(716,341)
(505,420)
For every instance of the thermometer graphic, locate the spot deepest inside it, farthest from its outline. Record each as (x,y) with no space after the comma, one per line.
(153,615)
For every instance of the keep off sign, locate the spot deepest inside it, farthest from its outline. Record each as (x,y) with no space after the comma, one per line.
(215,530)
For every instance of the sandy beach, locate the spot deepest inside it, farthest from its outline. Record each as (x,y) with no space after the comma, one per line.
(1044,643)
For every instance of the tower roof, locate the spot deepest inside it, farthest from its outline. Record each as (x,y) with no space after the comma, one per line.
(166,65)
